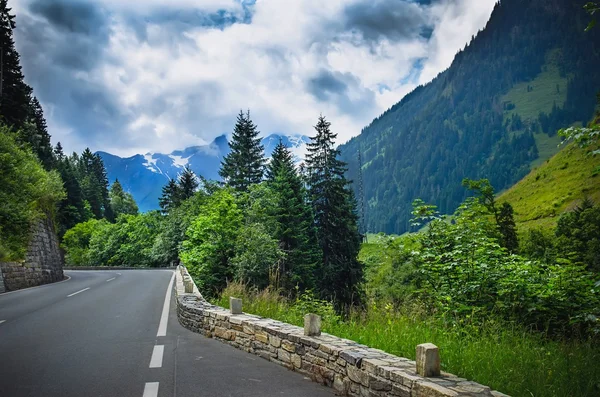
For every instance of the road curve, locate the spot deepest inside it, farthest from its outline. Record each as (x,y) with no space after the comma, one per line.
(100,334)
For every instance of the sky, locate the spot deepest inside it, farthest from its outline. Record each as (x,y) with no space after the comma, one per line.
(142,76)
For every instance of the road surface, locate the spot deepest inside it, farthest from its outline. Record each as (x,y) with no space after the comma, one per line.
(100,334)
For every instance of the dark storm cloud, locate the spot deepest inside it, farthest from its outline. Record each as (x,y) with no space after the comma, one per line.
(73,16)
(344,90)
(69,33)
(58,40)
(395,20)
(324,84)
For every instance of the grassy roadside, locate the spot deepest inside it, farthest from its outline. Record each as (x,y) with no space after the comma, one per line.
(503,356)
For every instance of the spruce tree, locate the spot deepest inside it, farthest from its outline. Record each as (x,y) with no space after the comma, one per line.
(94,183)
(340,273)
(171,196)
(71,210)
(295,231)
(15,98)
(188,183)
(244,165)
(40,142)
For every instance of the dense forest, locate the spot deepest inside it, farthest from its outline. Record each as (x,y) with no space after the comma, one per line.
(530,72)
(38,179)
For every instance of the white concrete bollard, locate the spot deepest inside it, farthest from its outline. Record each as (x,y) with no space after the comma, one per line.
(235,305)
(312,325)
(428,360)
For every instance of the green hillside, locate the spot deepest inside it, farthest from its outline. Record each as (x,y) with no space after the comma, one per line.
(554,187)
(493,114)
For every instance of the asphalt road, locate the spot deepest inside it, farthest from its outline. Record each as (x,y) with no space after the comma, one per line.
(96,335)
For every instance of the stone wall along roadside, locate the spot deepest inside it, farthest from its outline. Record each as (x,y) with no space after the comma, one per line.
(350,368)
(42,264)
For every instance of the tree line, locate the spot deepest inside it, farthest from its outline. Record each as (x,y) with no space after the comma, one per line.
(268,223)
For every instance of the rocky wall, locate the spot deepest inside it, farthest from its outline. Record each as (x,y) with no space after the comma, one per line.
(43,262)
(350,368)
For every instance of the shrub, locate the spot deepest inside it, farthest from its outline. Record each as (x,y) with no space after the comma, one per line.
(28,192)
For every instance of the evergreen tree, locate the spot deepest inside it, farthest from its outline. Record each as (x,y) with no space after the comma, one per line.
(244,165)
(281,156)
(340,273)
(294,231)
(40,142)
(171,196)
(508,228)
(121,202)
(15,98)
(59,154)
(188,183)
(71,210)
(94,183)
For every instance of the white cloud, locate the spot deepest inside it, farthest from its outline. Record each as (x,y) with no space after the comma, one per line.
(187,90)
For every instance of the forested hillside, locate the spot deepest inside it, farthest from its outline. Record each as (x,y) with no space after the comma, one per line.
(493,114)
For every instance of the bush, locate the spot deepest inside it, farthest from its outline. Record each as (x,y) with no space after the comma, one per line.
(210,242)
(76,242)
(28,192)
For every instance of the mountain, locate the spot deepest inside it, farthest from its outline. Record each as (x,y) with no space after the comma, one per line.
(556,186)
(492,114)
(145,175)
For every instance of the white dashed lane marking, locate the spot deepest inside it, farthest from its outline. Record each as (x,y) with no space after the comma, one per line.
(78,292)
(110,279)
(157,356)
(1,321)
(151,389)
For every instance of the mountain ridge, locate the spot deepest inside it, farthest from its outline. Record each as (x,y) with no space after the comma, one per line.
(144,175)
(461,125)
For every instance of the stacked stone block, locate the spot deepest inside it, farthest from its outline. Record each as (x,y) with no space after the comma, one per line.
(43,261)
(350,368)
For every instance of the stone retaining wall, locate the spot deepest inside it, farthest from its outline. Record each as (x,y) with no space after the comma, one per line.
(350,368)
(42,264)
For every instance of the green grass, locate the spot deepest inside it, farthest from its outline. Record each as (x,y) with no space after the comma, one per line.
(547,146)
(544,94)
(555,187)
(541,97)
(502,356)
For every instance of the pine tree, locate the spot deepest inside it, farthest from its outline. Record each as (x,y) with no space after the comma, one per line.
(171,196)
(281,156)
(94,183)
(295,231)
(188,183)
(59,153)
(41,143)
(71,210)
(244,165)
(15,98)
(340,273)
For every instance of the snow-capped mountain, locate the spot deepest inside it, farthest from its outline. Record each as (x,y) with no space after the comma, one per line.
(145,175)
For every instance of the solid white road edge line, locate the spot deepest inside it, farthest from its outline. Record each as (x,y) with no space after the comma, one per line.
(151,389)
(157,356)
(110,279)
(78,292)
(164,318)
